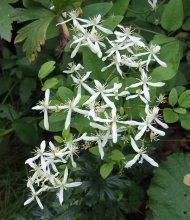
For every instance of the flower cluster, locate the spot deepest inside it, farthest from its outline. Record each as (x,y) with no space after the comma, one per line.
(126,51)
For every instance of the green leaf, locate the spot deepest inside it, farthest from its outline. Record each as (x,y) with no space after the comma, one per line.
(112,22)
(173,97)
(50,83)
(172,16)
(58,139)
(106,169)
(180,110)
(61,4)
(117,155)
(168,195)
(25,131)
(94,150)
(6,11)
(27,86)
(170,53)
(34,34)
(185,121)
(184,99)
(65,94)
(98,64)
(170,116)
(97,8)
(186,25)
(46,69)
(119,7)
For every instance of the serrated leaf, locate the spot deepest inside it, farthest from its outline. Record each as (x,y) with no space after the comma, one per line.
(172,16)
(34,34)
(168,187)
(97,8)
(50,83)
(6,12)
(173,97)
(184,99)
(106,169)
(46,69)
(170,116)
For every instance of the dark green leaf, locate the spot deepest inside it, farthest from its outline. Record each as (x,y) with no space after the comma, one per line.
(27,86)
(119,7)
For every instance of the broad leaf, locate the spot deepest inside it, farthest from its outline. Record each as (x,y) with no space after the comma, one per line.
(184,99)
(168,194)
(173,97)
(46,69)
(170,116)
(106,169)
(172,16)
(119,7)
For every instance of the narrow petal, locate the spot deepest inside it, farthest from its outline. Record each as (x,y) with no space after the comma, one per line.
(134,145)
(74,184)
(46,123)
(28,201)
(68,119)
(140,134)
(132,162)
(114,132)
(146,92)
(39,203)
(161,123)
(47,94)
(100,148)
(150,160)
(157,131)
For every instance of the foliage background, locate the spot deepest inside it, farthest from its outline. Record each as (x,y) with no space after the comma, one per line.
(124,193)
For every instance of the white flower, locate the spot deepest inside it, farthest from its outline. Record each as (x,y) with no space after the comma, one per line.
(71,106)
(145,82)
(151,52)
(153,4)
(141,154)
(34,196)
(123,34)
(74,16)
(63,185)
(96,23)
(71,148)
(100,138)
(139,94)
(39,153)
(101,90)
(114,120)
(116,93)
(95,108)
(44,107)
(114,50)
(116,63)
(80,81)
(72,68)
(151,117)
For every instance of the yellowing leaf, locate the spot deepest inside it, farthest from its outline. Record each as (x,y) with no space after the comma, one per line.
(34,34)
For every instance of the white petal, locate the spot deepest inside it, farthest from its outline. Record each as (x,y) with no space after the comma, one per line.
(159,61)
(39,203)
(114,132)
(43,145)
(74,52)
(133,161)
(155,130)
(161,123)
(105,30)
(74,184)
(150,160)
(68,119)
(60,195)
(28,201)
(47,94)
(158,84)
(133,144)
(146,92)
(46,123)
(140,134)
(100,148)
(97,126)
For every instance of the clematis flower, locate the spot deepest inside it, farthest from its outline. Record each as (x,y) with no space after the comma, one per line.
(114,120)
(145,82)
(73,68)
(150,119)
(34,196)
(101,90)
(80,82)
(141,154)
(96,23)
(71,106)
(151,52)
(153,4)
(139,94)
(39,153)
(44,107)
(63,185)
